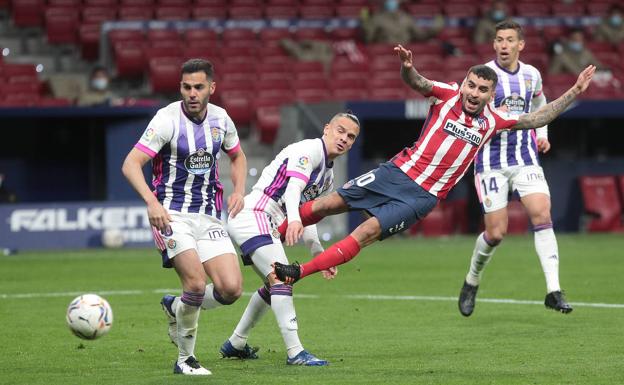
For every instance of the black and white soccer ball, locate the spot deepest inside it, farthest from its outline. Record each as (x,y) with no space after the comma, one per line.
(89,316)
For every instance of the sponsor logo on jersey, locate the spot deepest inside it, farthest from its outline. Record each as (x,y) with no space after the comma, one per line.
(462,132)
(216,233)
(199,162)
(515,104)
(149,134)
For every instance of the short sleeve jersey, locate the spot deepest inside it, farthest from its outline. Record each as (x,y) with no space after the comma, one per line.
(184,156)
(449,140)
(515,90)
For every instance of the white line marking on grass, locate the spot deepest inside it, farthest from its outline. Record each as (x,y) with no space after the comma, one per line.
(370,297)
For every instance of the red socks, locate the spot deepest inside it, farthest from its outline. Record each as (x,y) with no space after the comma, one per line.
(337,254)
(307,218)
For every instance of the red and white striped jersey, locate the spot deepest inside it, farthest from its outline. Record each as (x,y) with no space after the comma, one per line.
(449,140)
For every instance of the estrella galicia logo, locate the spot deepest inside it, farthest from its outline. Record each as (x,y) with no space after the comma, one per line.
(464,133)
(199,162)
(515,104)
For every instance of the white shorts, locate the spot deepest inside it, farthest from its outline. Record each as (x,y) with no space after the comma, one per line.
(204,233)
(493,187)
(258,238)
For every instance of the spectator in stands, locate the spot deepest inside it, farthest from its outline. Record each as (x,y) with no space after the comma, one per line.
(309,50)
(572,56)
(486,26)
(393,25)
(611,28)
(98,92)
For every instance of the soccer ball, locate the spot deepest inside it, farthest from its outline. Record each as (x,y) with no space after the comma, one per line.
(89,316)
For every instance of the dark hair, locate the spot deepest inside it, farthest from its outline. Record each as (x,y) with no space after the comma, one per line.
(484,72)
(510,24)
(198,65)
(350,115)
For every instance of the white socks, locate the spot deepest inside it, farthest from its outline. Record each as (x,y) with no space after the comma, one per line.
(481,255)
(253,313)
(284,310)
(187,315)
(548,253)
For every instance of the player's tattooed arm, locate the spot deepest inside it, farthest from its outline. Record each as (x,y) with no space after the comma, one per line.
(550,111)
(409,74)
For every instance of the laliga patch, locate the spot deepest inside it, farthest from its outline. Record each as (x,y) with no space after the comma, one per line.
(302,163)
(515,104)
(148,134)
(171,244)
(464,133)
(199,162)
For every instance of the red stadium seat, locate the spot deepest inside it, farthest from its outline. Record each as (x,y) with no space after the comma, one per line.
(208,12)
(621,185)
(157,35)
(219,3)
(595,8)
(419,9)
(54,102)
(349,11)
(601,201)
(245,12)
(568,10)
(194,35)
(280,12)
(137,3)
(206,52)
(345,33)
(164,74)
(98,14)
(89,41)
(439,222)
(310,34)
(316,11)
(312,95)
(171,13)
(268,121)
(532,9)
(136,13)
(175,3)
(10,70)
(382,94)
(123,35)
(129,58)
(101,3)
(238,106)
(238,34)
(460,10)
(28,13)
(62,25)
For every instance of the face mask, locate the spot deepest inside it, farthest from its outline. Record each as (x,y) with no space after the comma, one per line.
(99,84)
(575,46)
(615,20)
(391,5)
(498,15)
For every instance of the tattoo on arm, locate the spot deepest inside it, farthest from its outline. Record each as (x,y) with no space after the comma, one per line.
(547,113)
(415,80)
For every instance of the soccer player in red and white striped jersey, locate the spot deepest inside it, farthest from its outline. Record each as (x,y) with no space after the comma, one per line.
(405,189)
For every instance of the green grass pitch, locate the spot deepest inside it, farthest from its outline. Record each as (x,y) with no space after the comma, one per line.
(390,317)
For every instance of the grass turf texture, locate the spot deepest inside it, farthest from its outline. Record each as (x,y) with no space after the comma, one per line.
(367,341)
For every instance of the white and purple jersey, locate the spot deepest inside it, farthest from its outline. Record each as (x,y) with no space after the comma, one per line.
(184,156)
(306,160)
(518,147)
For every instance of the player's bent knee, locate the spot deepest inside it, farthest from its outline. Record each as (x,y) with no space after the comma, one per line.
(229,293)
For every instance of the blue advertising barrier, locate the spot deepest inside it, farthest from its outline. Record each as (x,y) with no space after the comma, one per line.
(72,225)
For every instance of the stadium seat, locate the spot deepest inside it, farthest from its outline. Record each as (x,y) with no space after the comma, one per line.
(16,69)
(62,25)
(27,13)
(345,33)
(101,3)
(601,201)
(439,222)
(245,12)
(280,11)
(460,10)
(164,74)
(169,13)
(206,52)
(201,35)
(325,11)
(426,10)
(312,95)
(175,3)
(268,121)
(89,41)
(136,13)
(621,186)
(165,34)
(568,10)
(349,11)
(137,3)
(54,102)
(238,105)
(209,12)
(99,14)
(532,9)
(129,58)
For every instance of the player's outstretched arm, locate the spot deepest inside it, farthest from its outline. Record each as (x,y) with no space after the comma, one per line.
(409,74)
(550,111)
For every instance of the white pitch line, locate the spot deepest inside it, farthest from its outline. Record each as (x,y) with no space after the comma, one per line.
(370,297)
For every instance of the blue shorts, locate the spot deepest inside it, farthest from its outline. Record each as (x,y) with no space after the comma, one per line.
(389,195)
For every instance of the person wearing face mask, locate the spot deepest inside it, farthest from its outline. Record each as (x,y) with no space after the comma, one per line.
(98,91)
(611,28)
(573,56)
(393,25)
(484,30)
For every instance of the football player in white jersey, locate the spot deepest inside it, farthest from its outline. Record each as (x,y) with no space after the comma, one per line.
(183,141)
(509,163)
(300,173)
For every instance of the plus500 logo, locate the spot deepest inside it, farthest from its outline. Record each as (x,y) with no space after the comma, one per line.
(95,218)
